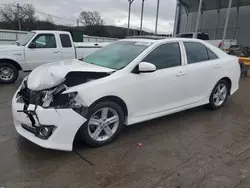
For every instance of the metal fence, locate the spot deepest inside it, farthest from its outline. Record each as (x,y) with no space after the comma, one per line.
(232,33)
(87,38)
(10,36)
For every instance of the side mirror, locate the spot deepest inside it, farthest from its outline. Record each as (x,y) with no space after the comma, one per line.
(32,45)
(145,67)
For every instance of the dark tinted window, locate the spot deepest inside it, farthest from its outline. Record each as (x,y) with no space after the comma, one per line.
(164,56)
(65,40)
(187,35)
(203,36)
(211,54)
(195,52)
(45,41)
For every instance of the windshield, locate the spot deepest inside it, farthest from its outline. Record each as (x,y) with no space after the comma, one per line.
(117,55)
(24,40)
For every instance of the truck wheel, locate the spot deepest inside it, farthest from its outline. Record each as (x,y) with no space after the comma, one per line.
(8,73)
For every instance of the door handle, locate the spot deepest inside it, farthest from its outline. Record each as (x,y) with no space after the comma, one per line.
(56,52)
(180,74)
(217,66)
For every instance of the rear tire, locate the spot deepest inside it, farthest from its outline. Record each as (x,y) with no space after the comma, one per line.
(99,129)
(219,95)
(8,73)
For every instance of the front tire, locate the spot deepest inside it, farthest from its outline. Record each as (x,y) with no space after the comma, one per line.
(219,95)
(105,122)
(8,73)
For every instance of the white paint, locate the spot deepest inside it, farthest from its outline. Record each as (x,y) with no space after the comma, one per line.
(53,74)
(64,134)
(147,67)
(30,58)
(146,95)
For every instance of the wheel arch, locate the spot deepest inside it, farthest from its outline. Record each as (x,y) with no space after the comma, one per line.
(115,99)
(6,60)
(228,80)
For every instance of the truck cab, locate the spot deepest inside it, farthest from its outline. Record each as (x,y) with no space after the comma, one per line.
(38,48)
(202,36)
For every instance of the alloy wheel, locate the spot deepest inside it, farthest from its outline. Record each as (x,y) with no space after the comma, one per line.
(103,124)
(220,94)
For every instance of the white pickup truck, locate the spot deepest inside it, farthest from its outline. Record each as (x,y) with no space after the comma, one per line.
(205,36)
(37,48)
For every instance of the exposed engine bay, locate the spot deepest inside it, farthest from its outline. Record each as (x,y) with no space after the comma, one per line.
(47,98)
(54,97)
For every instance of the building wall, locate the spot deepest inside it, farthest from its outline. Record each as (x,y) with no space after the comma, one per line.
(208,24)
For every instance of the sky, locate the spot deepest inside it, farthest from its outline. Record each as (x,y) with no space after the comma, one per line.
(113,12)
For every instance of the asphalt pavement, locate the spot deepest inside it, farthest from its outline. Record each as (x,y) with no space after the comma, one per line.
(197,148)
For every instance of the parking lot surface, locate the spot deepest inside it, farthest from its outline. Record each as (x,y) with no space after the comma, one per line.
(194,148)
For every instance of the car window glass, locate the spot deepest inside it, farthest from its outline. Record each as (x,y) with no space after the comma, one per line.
(195,52)
(117,55)
(65,40)
(164,56)
(203,36)
(189,35)
(45,41)
(211,54)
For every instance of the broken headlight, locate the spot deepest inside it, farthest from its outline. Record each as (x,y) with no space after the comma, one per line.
(65,100)
(56,99)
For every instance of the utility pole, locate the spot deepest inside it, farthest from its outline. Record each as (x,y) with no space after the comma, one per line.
(157,15)
(198,18)
(226,23)
(142,10)
(77,22)
(18,17)
(129,11)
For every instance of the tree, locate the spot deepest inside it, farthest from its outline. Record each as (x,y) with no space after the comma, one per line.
(49,19)
(10,13)
(90,18)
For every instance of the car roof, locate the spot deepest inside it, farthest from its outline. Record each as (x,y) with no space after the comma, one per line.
(147,37)
(162,40)
(50,31)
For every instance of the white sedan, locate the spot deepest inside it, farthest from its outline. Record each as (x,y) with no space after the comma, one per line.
(127,82)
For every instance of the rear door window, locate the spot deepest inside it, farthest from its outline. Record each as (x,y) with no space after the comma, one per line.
(195,52)
(65,40)
(211,54)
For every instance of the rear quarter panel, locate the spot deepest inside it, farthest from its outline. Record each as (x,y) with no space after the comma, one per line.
(231,69)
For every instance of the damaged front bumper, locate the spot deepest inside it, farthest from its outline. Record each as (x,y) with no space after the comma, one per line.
(52,128)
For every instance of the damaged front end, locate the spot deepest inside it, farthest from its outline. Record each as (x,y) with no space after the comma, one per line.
(52,98)
(49,94)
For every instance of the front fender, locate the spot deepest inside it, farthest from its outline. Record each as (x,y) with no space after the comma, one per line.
(15,56)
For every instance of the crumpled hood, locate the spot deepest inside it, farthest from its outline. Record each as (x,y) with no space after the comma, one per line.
(53,74)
